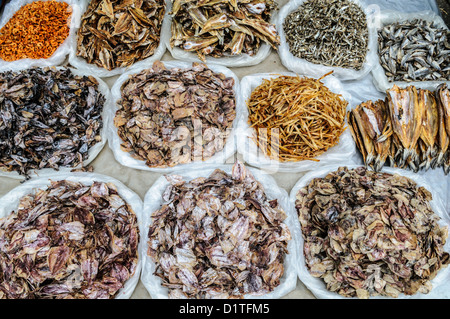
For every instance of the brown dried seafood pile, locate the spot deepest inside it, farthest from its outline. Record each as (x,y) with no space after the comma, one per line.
(414,50)
(368,234)
(409,129)
(118,33)
(223,28)
(174,116)
(69,240)
(218,237)
(328,32)
(48,119)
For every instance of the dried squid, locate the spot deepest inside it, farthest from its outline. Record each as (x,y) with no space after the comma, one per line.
(218,236)
(371,234)
(69,240)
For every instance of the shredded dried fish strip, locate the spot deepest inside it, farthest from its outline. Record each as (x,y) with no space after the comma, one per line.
(49,118)
(328,32)
(295,118)
(371,234)
(175,116)
(218,237)
(68,240)
(223,28)
(116,34)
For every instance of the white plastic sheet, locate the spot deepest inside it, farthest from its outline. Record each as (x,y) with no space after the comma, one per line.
(10,201)
(380,79)
(82,65)
(63,50)
(302,66)
(441,283)
(94,150)
(344,151)
(153,202)
(127,160)
(241,60)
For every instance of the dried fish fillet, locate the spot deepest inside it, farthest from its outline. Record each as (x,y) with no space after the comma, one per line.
(223,28)
(49,118)
(175,116)
(218,237)
(67,241)
(115,34)
(371,234)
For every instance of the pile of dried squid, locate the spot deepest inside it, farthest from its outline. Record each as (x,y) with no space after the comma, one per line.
(296,118)
(409,129)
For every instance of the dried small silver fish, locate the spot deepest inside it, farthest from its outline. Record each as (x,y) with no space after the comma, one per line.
(174,116)
(415,50)
(69,240)
(118,33)
(48,119)
(371,234)
(218,237)
(223,28)
(328,32)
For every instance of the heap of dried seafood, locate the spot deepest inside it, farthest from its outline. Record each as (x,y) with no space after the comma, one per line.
(368,234)
(174,116)
(48,119)
(328,32)
(414,51)
(223,28)
(118,33)
(409,129)
(69,240)
(218,237)
(295,118)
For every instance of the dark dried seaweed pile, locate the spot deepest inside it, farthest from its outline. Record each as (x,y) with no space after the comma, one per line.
(68,241)
(48,119)
(218,237)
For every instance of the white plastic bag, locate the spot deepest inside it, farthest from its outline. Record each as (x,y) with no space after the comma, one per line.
(343,151)
(441,283)
(10,202)
(302,66)
(82,65)
(127,160)
(153,201)
(59,56)
(94,150)
(241,60)
(380,79)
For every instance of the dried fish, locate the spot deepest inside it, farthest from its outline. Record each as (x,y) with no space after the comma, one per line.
(49,118)
(69,240)
(371,234)
(415,50)
(218,237)
(174,116)
(295,118)
(328,32)
(223,28)
(115,34)
(408,128)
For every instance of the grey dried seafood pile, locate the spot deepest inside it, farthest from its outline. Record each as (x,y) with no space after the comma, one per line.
(328,32)
(409,129)
(414,50)
(368,234)
(174,116)
(118,33)
(223,28)
(69,240)
(48,119)
(218,237)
